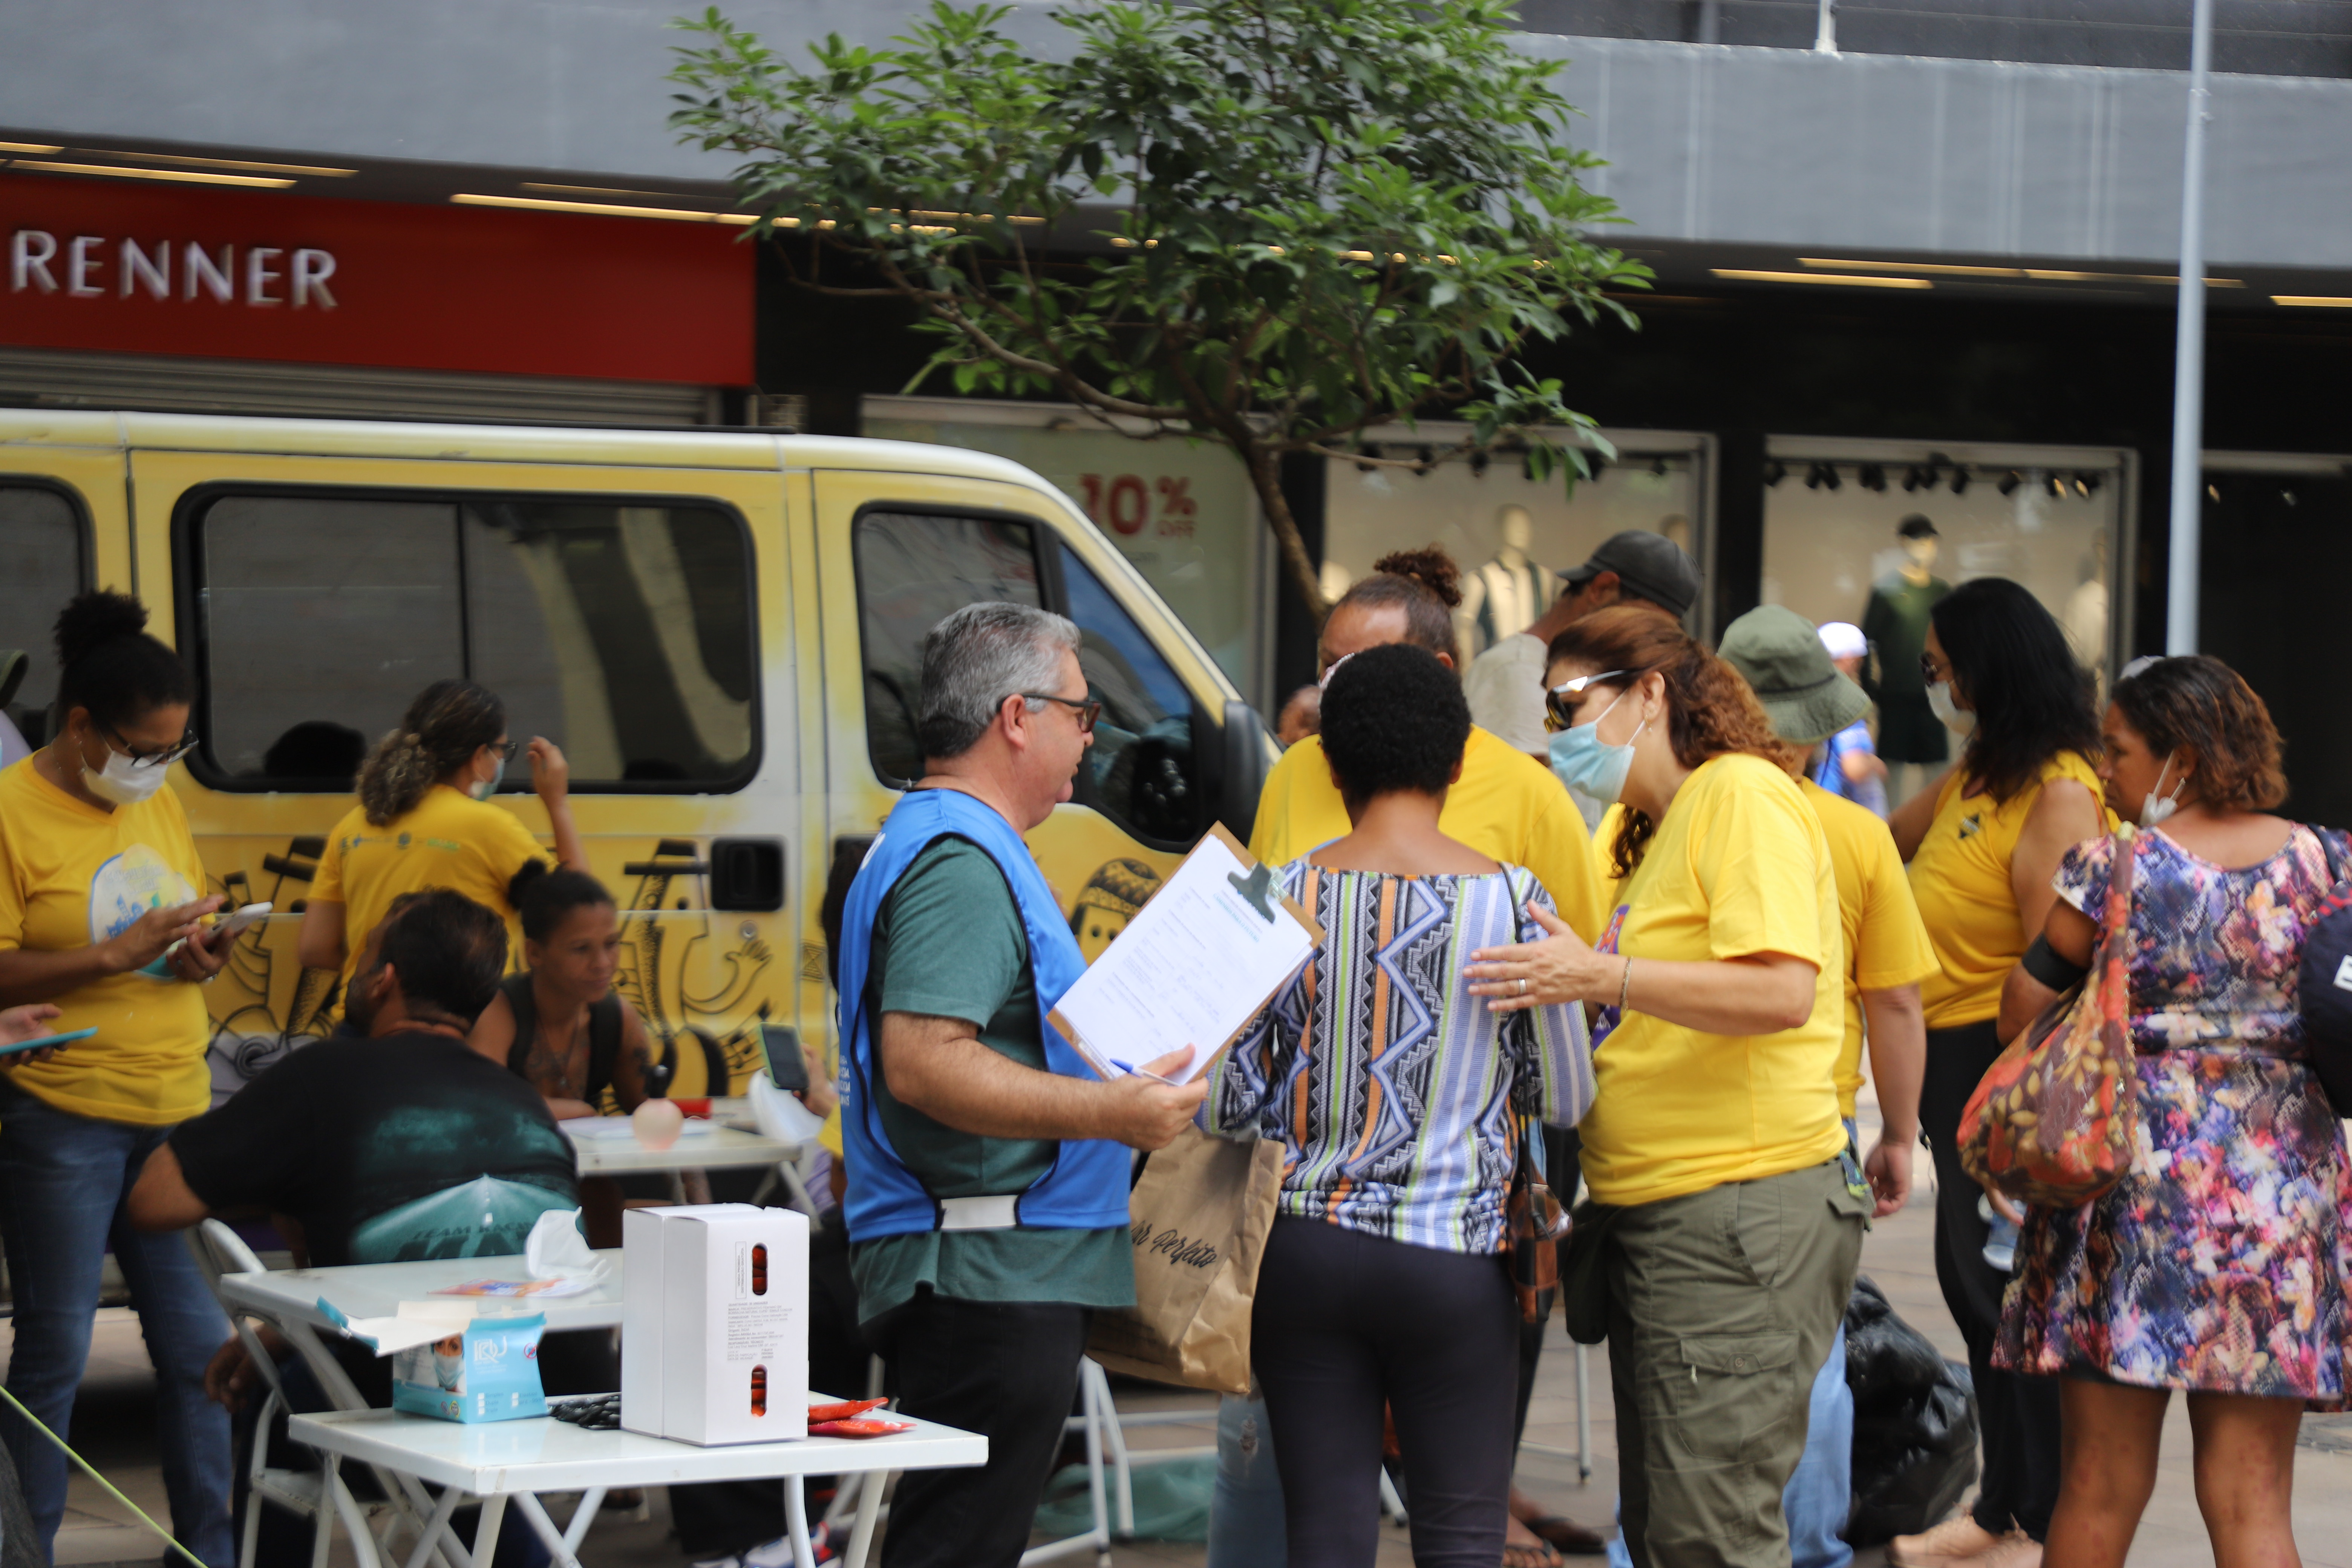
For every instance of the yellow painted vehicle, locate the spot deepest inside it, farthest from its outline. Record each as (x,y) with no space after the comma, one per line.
(721,630)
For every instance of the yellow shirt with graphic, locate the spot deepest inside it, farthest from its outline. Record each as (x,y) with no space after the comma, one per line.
(1960,875)
(72,875)
(448,839)
(1740,866)
(1886,942)
(1506,806)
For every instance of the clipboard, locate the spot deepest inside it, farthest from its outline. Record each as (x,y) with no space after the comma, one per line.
(1218,916)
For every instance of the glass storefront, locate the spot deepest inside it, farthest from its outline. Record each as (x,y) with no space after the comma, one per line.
(1839,544)
(1513,536)
(1182,510)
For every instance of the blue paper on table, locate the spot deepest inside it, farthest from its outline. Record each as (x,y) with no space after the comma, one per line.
(487,1371)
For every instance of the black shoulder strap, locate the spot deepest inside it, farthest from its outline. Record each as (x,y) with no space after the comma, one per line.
(603,1045)
(526,1022)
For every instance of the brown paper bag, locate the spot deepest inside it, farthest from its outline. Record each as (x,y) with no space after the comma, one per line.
(1201,1214)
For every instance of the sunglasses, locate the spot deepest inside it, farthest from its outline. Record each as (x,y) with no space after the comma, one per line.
(1930,671)
(162,757)
(1087,712)
(1562,701)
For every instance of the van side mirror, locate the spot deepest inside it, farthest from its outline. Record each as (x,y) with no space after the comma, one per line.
(1247,753)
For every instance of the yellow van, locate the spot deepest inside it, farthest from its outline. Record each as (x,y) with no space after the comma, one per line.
(721,630)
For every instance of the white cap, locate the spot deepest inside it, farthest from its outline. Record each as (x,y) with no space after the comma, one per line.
(1843,639)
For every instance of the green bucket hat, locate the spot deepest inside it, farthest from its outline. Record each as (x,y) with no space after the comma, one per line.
(1778,652)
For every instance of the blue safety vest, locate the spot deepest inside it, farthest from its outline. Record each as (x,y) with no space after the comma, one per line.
(1085,1187)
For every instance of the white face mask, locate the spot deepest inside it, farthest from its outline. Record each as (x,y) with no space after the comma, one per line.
(2155,807)
(1958,720)
(124,782)
(483,790)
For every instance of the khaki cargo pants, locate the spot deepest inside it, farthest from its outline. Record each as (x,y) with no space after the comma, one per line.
(1720,1308)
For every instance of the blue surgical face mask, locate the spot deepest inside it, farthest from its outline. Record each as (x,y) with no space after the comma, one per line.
(1582,761)
(484,789)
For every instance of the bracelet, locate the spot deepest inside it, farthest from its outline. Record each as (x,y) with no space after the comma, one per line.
(1625,986)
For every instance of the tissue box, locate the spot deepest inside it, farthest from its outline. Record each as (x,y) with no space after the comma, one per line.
(484,1369)
(714,1337)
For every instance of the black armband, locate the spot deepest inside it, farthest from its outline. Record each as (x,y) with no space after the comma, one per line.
(2046,964)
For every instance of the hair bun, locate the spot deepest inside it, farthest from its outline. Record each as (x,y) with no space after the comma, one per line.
(1429,566)
(94,619)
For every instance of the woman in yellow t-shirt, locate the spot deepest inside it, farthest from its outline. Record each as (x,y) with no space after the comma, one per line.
(1720,1243)
(101,898)
(1983,844)
(425,820)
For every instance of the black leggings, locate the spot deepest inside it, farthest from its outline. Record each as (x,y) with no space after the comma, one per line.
(1346,1323)
(2016,1415)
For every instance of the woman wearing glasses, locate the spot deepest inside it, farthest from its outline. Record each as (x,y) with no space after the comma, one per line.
(101,917)
(425,820)
(1725,1223)
(1984,843)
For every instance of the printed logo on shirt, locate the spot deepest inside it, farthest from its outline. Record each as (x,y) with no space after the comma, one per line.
(126,887)
(1972,824)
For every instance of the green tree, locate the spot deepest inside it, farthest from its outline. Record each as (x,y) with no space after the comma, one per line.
(1273,224)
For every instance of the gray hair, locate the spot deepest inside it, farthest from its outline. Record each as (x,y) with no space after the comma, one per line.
(977,657)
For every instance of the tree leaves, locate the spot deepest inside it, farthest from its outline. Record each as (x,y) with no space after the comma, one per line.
(1272,222)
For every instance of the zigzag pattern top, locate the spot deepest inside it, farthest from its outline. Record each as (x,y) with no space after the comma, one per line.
(1397,1094)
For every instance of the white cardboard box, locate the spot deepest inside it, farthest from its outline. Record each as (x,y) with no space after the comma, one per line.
(714,1345)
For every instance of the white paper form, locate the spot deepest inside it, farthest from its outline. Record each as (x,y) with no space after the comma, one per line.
(1191,969)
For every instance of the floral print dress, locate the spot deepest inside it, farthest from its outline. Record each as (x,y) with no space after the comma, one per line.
(2221,1262)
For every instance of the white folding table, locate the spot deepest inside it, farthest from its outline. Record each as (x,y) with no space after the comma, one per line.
(710,1147)
(498,1460)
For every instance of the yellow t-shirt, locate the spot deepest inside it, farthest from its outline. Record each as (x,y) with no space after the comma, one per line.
(447,840)
(1960,875)
(1738,866)
(1506,806)
(1886,942)
(72,875)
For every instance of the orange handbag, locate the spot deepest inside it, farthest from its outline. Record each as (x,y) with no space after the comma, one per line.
(2051,1124)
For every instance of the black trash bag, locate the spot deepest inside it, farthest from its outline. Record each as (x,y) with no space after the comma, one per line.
(1914,1423)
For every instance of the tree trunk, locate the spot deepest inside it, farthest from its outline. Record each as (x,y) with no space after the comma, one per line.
(1265,475)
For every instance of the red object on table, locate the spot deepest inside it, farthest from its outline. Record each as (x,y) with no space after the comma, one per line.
(859,1428)
(693,1107)
(841,1410)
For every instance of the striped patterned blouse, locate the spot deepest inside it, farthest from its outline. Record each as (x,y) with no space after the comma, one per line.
(1400,1096)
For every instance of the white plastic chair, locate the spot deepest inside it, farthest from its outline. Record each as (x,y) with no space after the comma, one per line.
(320,1495)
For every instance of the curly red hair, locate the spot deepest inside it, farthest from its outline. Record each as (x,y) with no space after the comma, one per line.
(1709,709)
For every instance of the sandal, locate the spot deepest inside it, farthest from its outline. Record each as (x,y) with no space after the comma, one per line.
(1566,1535)
(1531,1554)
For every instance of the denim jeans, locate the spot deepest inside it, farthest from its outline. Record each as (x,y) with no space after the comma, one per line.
(1245,1514)
(1821,1493)
(63,1182)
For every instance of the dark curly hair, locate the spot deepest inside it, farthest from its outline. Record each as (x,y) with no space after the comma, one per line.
(109,665)
(1709,709)
(547,900)
(2199,704)
(1394,719)
(1426,585)
(2013,664)
(444,727)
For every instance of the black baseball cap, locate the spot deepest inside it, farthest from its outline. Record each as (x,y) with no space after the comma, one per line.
(1916,526)
(1650,565)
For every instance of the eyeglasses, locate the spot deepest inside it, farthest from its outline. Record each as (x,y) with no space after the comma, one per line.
(1562,700)
(161,757)
(1087,712)
(1930,671)
(505,749)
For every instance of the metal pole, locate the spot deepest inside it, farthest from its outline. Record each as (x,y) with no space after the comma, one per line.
(2188,356)
(1825,28)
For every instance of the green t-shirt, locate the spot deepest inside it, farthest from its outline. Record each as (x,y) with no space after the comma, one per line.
(949,943)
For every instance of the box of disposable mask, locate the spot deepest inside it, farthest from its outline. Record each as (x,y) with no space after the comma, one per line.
(714,1341)
(481,1369)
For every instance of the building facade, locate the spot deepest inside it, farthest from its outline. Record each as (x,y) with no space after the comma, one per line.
(1927,273)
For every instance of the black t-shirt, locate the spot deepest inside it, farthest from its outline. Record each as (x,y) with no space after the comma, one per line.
(385,1151)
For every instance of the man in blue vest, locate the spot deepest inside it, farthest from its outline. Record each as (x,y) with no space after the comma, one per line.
(988,1166)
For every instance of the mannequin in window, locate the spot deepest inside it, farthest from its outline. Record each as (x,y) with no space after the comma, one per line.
(1910,737)
(1504,597)
(2086,619)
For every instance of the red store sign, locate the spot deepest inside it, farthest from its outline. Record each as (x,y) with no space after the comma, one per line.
(97,264)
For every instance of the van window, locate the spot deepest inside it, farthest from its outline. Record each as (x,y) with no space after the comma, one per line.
(620,631)
(916,568)
(1141,771)
(42,565)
